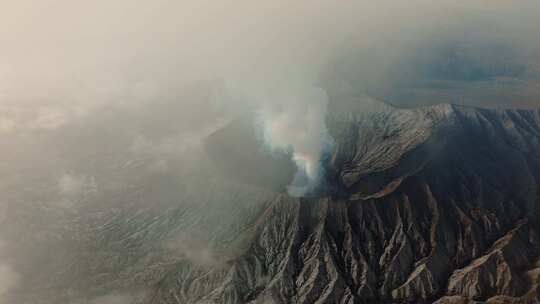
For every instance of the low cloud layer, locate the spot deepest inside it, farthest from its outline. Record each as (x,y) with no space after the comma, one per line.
(62,62)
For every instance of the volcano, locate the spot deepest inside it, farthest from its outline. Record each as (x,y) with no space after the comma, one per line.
(435,204)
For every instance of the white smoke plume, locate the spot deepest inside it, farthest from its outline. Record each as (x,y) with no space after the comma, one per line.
(295,122)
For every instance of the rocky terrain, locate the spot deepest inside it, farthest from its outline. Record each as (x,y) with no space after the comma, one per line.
(436,204)
(428,205)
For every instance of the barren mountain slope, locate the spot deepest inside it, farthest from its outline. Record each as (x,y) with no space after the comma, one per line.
(431,204)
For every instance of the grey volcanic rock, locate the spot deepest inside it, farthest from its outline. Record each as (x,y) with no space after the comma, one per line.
(437,204)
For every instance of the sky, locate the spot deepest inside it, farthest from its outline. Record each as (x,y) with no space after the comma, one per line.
(63,59)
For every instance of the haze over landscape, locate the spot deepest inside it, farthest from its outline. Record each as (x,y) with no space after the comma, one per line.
(269,151)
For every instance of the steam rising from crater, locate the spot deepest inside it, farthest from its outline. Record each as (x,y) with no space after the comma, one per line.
(295,122)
